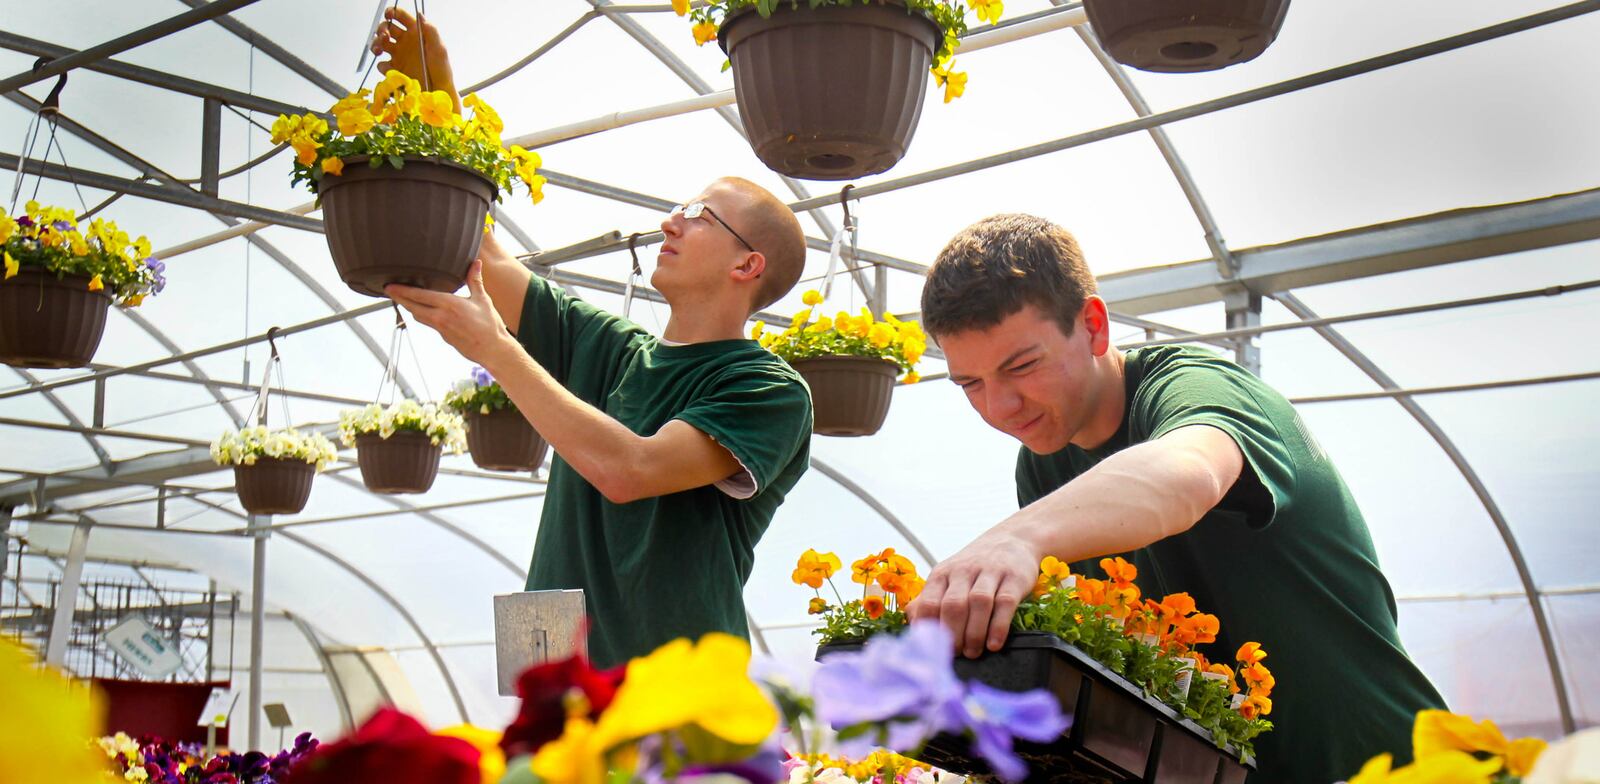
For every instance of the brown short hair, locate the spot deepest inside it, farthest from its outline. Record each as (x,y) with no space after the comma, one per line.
(995,266)
(774,231)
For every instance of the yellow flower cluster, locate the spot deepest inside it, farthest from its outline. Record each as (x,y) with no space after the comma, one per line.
(399,118)
(902,342)
(824,768)
(1454,748)
(700,692)
(46,722)
(51,238)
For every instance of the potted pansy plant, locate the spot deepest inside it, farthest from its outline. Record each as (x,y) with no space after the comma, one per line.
(1185,36)
(498,436)
(405,181)
(398,446)
(856,109)
(849,362)
(60,279)
(273,468)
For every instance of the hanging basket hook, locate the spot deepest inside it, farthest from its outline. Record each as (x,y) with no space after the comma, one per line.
(52,102)
(272,340)
(844,201)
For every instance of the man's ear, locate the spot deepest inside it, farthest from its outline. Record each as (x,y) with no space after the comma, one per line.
(1095,320)
(750,267)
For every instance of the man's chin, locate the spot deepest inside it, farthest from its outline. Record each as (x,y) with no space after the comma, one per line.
(1044,443)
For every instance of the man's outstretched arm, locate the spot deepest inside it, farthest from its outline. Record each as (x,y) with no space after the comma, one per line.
(623,465)
(1132,499)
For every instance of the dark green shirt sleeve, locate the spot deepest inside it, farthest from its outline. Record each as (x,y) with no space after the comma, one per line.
(1208,390)
(558,328)
(761,415)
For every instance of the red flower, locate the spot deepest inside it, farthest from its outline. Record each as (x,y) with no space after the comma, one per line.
(549,691)
(393,748)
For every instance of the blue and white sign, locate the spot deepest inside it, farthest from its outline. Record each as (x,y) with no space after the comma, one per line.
(145,650)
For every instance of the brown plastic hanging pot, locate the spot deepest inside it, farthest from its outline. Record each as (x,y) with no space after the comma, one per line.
(419,225)
(849,395)
(274,485)
(50,322)
(1185,36)
(830,93)
(403,463)
(502,440)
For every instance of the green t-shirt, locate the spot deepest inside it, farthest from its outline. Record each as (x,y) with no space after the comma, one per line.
(675,565)
(1285,560)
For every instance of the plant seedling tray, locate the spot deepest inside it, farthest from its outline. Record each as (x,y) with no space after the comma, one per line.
(1118,734)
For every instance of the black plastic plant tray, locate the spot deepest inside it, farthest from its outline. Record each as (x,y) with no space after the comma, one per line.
(1118,734)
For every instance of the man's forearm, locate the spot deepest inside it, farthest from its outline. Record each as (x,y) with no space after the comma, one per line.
(1132,499)
(597,446)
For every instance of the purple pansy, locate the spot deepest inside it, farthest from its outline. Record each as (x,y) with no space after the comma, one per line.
(481,377)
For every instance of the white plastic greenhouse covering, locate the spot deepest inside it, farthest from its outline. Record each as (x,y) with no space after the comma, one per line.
(396,604)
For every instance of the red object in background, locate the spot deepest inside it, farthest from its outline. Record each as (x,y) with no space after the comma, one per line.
(393,748)
(168,711)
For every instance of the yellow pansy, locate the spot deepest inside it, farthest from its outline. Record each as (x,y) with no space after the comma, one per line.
(8,226)
(12,266)
(1438,730)
(1447,767)
(536,188)
(1522,753)
(51,718)
(700,690)
(988,10)
(758,330)
(703,32)
(333,165)
(1376,771)
(811,297)
(573,758)
(912,377)
(492,761)
(76,243)
(680,7)
(283,128)
(913,350)
(436,109)
(305,150)
(823,325)
(953,82)
(355,120)
(880,335)
(486,116)
(134,301)
(800,318)
(95,284)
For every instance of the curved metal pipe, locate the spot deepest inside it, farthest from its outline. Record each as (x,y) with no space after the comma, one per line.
(1524,574)
(877,506)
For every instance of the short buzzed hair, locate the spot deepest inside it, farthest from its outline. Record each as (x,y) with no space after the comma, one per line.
(992,268)
(774,231)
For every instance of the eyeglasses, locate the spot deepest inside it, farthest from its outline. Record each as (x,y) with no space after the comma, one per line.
(692,211)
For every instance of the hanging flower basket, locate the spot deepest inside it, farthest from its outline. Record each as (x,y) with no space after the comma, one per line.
(398,447)
(59,280)
(1185,36)
(502,440)
(274,485)
(849,395)
(273,469)
(830,92)
(50,322)
(849,362)
(403,463)
(498,435)
(405,182)
(419,225)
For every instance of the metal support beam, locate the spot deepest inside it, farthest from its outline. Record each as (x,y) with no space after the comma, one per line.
(67,597)
(1244,312)
(877,506)
(271,49)
(335,683)
(261,528)
(1431,240)
(154,192)
(210,147)
(123,43)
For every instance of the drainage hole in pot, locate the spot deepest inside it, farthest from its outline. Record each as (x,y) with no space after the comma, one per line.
(1189,50)
(831,161)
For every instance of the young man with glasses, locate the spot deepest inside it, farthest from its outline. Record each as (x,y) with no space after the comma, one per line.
(672,453)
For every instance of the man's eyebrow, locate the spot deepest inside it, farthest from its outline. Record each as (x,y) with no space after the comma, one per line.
(957,378)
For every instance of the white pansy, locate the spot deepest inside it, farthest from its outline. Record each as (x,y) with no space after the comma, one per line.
(246,446)
(442,427)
